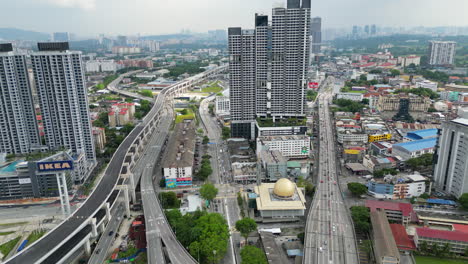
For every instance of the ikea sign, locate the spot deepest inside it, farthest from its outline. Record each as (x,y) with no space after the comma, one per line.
(53,166)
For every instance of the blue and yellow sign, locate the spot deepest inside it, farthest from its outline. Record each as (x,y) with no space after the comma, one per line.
(54,166)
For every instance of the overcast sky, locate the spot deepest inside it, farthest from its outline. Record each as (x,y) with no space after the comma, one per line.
(112,17)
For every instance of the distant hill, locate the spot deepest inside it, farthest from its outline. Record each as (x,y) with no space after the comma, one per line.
(19,34)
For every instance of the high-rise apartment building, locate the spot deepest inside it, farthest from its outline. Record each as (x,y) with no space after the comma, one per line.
(316,32)
(373,30)
(60,82)
(451,169)
(18,127)
(268,67)
(441,52)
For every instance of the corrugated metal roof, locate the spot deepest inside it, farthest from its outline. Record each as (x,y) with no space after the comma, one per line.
(418,144)
(442,234)
(423,134)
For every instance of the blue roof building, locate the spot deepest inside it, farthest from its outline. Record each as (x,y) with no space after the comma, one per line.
(380,189)
(422,134)
(414,149)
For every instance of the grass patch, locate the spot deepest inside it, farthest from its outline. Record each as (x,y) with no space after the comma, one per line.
(6,233)
(7,247)
(212,88)
(130,252)
(35,235)
(142,258)
(434,260)
(13,224)
(180,118)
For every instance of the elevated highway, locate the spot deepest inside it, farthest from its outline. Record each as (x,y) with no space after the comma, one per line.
(83,226)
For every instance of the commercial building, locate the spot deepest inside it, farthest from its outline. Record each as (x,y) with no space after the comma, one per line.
(21,179)
(406,61)
(243,160)
(376,163)
(60,83)
(288,146)
(19,132)
(125,50)
(293,129)
(357,97)
(414,149)
(392,102)
(398,212)
(457,240)
(386,251)
(280,200)
(316,33)
(398,187)
(222,105)
(268,67)
(427,84)
(273,164)
(451,169)
(102,66)
(422,134)
(99,136)
(178,163)
(441,52)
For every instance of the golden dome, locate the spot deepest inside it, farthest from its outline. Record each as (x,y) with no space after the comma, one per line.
(284,188)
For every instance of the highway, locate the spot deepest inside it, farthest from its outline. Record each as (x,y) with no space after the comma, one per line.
(157,227)
(70,228)
(113,87)
(330,237)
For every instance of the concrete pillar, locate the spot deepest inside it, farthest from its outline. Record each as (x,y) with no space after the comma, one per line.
(108,213)
(63,193)
(127,201)
(132,186)
(94,231)
(87,247)
(102,228)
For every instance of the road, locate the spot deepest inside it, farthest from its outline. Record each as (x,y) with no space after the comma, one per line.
(221,174)
(113,87)
(100,252)
(47,245)
(330,235)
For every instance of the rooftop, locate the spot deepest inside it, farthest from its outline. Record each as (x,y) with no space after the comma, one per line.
(181,146)
(442,234)
(402,239)
(405,208)
(272,250)
(418,144)
(461,121)
(385,246)
(422,134)
(266,199)
(285,122)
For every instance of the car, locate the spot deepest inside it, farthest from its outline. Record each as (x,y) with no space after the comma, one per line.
(111,233)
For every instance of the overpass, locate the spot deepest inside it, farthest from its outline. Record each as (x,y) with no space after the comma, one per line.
(113,87)
(84,225)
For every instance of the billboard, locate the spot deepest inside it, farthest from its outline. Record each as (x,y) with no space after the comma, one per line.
(54,166)
(24,181)
(184,179)
(313,85)
(352,151)
(170,183)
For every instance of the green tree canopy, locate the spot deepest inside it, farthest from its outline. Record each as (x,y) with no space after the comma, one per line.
(245,226)
(360,215)
(169,200)
(423,161)
(394,72)
(226,132)
(357,189)
(208,191)
(205,140)
(463,200)
(253,255)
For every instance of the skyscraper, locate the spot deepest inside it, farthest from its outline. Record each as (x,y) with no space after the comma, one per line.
(441,52)
(451,169)
(18,127)
(367,29)
(373,29)
(60,83)
(316,32)
(268,67)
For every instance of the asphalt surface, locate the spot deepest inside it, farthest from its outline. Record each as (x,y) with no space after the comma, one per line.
(330,235)
(100,251)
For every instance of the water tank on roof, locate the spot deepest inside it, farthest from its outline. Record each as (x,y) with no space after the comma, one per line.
(441,106)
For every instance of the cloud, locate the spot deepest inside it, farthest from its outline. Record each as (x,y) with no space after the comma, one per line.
(83,4)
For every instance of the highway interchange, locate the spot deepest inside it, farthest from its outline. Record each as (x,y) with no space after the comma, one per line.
(329,232)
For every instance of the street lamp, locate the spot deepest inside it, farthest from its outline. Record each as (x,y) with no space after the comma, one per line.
(214,254)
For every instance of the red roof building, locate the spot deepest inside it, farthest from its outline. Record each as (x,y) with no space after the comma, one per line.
(457,240)
(460,228)
(401,212)
(403,241)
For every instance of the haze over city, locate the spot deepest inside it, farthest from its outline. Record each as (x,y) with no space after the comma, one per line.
(148,17)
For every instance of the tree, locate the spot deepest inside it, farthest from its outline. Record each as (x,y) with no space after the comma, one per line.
(360,215)
(365,101)
(146,93)
(98,123)
(431,110)
(421,162)
(424,196)
(463,200)
(363,77)
(169,200)
(162,183)
(245,226)
(253,255)
(184,112)
(423,247)
(208,191)
(205,140)
(357,189)
(226,132)
(394,72)
(301,237)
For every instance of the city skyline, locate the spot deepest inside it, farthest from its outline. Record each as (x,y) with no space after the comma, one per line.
(92,17)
